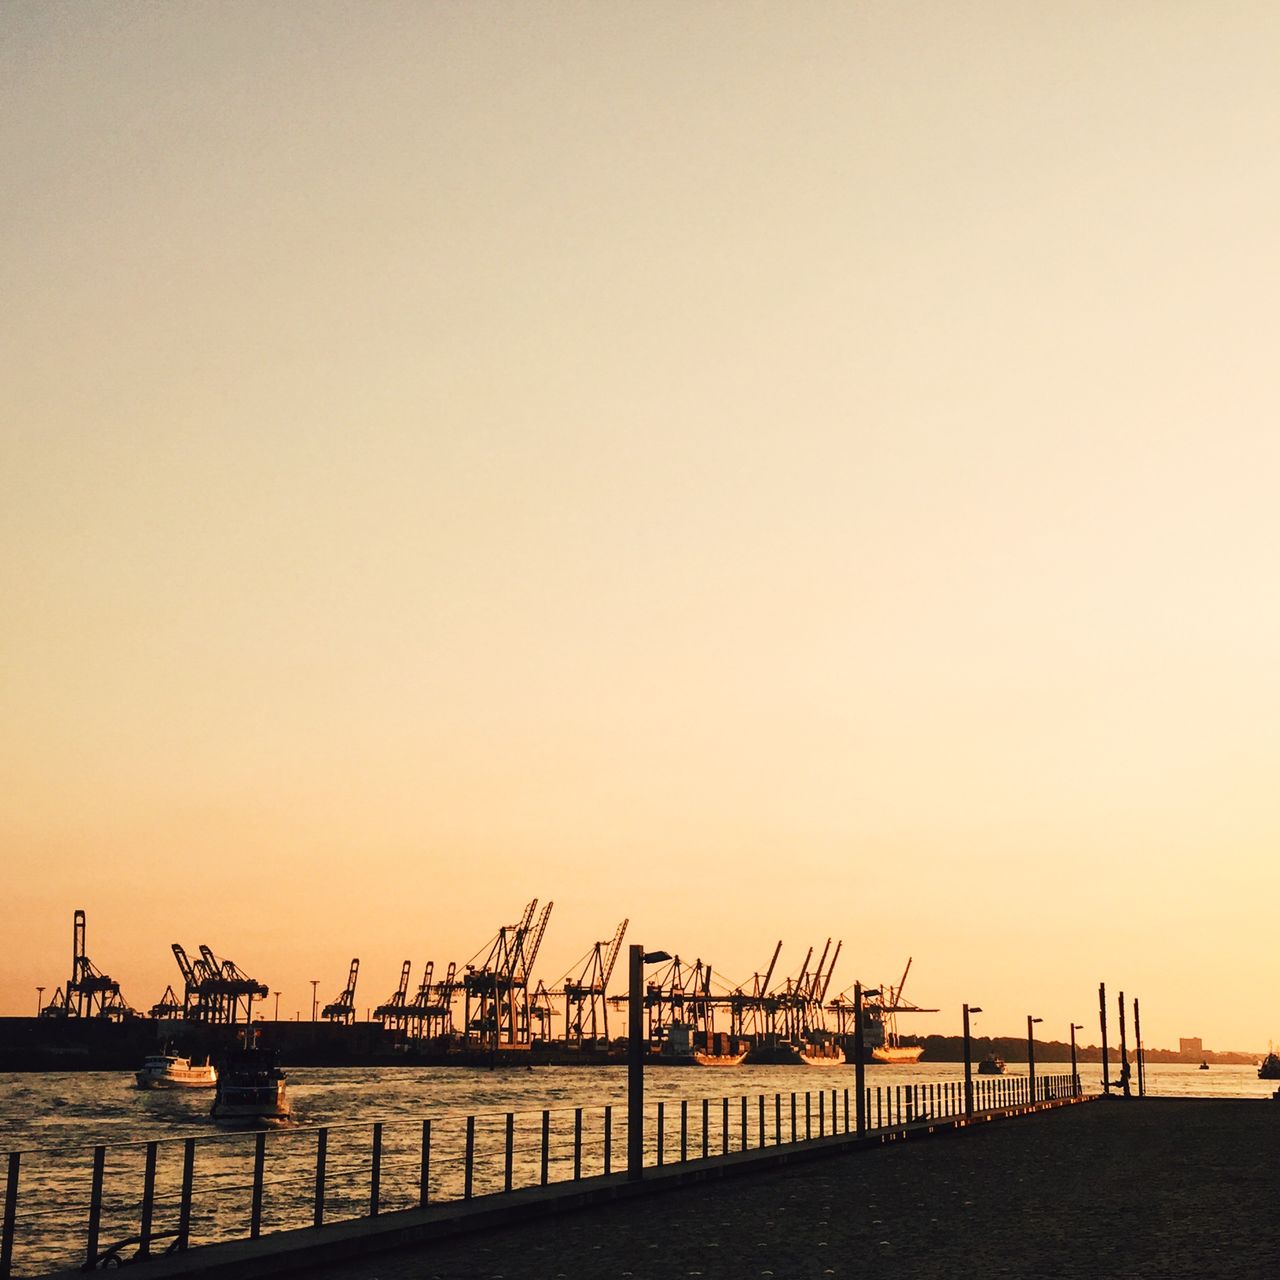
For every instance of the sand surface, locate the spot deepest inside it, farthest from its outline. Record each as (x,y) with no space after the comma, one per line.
(1157,1187)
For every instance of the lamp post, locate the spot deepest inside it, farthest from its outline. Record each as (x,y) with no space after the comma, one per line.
(277,1006)
(637,958)
(859,1062)
(968,1062)
(39,1000)
(315,999)
(1075,1075)
(1031,1059)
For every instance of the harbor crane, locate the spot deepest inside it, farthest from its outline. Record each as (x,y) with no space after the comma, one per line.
(89,993)
(214,990)
(496,995)
(343,1007)
(429,1014)
(393,1013)
(586,1010)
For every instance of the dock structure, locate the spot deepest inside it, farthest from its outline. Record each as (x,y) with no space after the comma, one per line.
(465,1173)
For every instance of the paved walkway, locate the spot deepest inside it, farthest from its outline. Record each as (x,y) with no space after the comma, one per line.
(1155,1188)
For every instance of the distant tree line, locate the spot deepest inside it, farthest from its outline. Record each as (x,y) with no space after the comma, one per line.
(1014,1049)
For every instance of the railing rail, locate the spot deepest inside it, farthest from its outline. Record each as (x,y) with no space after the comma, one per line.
(165,1194)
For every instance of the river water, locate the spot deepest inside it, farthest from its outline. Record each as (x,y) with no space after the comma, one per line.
(55,1120)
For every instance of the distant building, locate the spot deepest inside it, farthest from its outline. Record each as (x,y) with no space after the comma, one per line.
(1191,1048)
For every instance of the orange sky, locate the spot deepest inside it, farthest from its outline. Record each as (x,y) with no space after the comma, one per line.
(767,471)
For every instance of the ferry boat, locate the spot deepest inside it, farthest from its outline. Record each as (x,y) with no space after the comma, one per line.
(991,1065)
(169,1071)
(251,1090)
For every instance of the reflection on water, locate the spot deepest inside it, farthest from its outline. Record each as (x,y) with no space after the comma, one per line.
(55,1120)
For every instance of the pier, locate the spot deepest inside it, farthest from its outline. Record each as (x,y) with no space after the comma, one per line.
(1157,1187)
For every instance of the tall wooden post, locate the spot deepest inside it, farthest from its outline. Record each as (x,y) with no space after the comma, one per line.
(1137,1048)
(1102,1017)
(1124,1052)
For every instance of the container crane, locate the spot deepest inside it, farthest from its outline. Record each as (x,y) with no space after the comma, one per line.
(343,1007)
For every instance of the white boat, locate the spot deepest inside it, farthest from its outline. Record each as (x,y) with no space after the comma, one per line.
(251,1090)
(168,1071)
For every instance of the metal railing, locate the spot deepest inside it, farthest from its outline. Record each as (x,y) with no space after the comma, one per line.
(121,1202)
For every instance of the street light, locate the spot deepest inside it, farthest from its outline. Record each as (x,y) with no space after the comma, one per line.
(315,999)
(277,1006)
(1075,1075)
(968,1062)
(860,1055)
(1031,1060)
(637,958)
(39,1000)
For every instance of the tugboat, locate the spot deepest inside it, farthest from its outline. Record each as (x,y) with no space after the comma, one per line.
(251,1089)
(1270,1067)
(168,1071)
(991,1065)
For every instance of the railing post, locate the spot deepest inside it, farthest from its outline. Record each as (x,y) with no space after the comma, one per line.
(10,1214)
(706,1127)
(470,1158)
(662,1135)
(577,1144)
(608,1140)
(148,1201)
(375,1171)
(724,1128)
(509,1151)
(322,1157)
(808,1108)
(684,1130)
(822,1112)
(546,1147)
(777,1119)
(744,1122)
(762,1119)
(95,1207)
(424,1167)
(793,1117)
(188,1182)
(255,1208)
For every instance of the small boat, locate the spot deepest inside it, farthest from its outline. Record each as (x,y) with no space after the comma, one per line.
(169,1071)
(991,1065)
(1204,1066)
(1270,1067)
(251,1090)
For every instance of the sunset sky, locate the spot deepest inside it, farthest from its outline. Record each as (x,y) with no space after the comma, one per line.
(766,470)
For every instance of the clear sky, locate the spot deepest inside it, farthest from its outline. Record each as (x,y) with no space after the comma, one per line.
(767,470)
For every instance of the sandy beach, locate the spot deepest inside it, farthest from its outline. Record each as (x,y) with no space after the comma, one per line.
(1168,1188)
